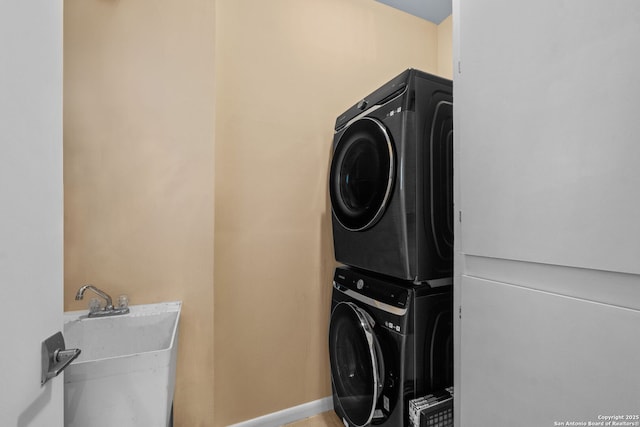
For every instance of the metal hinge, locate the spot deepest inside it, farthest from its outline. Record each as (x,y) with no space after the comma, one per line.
(459,312)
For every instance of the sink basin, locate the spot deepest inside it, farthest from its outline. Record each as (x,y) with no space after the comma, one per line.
(125,375)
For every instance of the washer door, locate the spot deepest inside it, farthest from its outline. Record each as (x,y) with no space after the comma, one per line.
(357,367)
(362,173)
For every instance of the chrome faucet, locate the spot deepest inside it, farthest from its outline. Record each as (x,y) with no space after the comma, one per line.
(108,310)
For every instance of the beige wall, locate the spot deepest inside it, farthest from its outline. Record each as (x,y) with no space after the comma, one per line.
(445,48)
(139,175)
(138,168)
(285,69)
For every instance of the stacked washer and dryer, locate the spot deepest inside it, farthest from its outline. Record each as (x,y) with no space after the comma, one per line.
(391,189)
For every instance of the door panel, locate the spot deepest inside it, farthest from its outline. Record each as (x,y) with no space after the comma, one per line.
(31,207)
(533,358)
(547,123)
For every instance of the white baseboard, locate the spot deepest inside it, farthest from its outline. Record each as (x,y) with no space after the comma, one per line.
(289,415)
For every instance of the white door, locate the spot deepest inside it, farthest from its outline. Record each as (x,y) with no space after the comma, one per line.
(31,208)
(546,103)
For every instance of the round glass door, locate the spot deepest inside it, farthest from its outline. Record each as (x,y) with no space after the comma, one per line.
(362,172)
(357,369)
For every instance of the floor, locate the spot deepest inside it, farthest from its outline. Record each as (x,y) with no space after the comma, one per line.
(326,419)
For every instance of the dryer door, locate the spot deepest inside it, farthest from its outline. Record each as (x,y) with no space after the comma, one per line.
(357,367)
(362,173)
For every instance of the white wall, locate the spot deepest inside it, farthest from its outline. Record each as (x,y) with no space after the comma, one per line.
(546,98)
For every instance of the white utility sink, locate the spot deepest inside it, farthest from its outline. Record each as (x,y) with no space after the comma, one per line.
(125,375)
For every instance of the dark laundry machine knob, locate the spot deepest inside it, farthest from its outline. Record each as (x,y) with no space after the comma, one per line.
(362,104)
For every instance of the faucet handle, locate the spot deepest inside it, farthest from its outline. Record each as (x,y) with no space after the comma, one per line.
(94,305)
(123,301)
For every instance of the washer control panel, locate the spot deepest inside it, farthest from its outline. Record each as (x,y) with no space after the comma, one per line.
(372,288)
